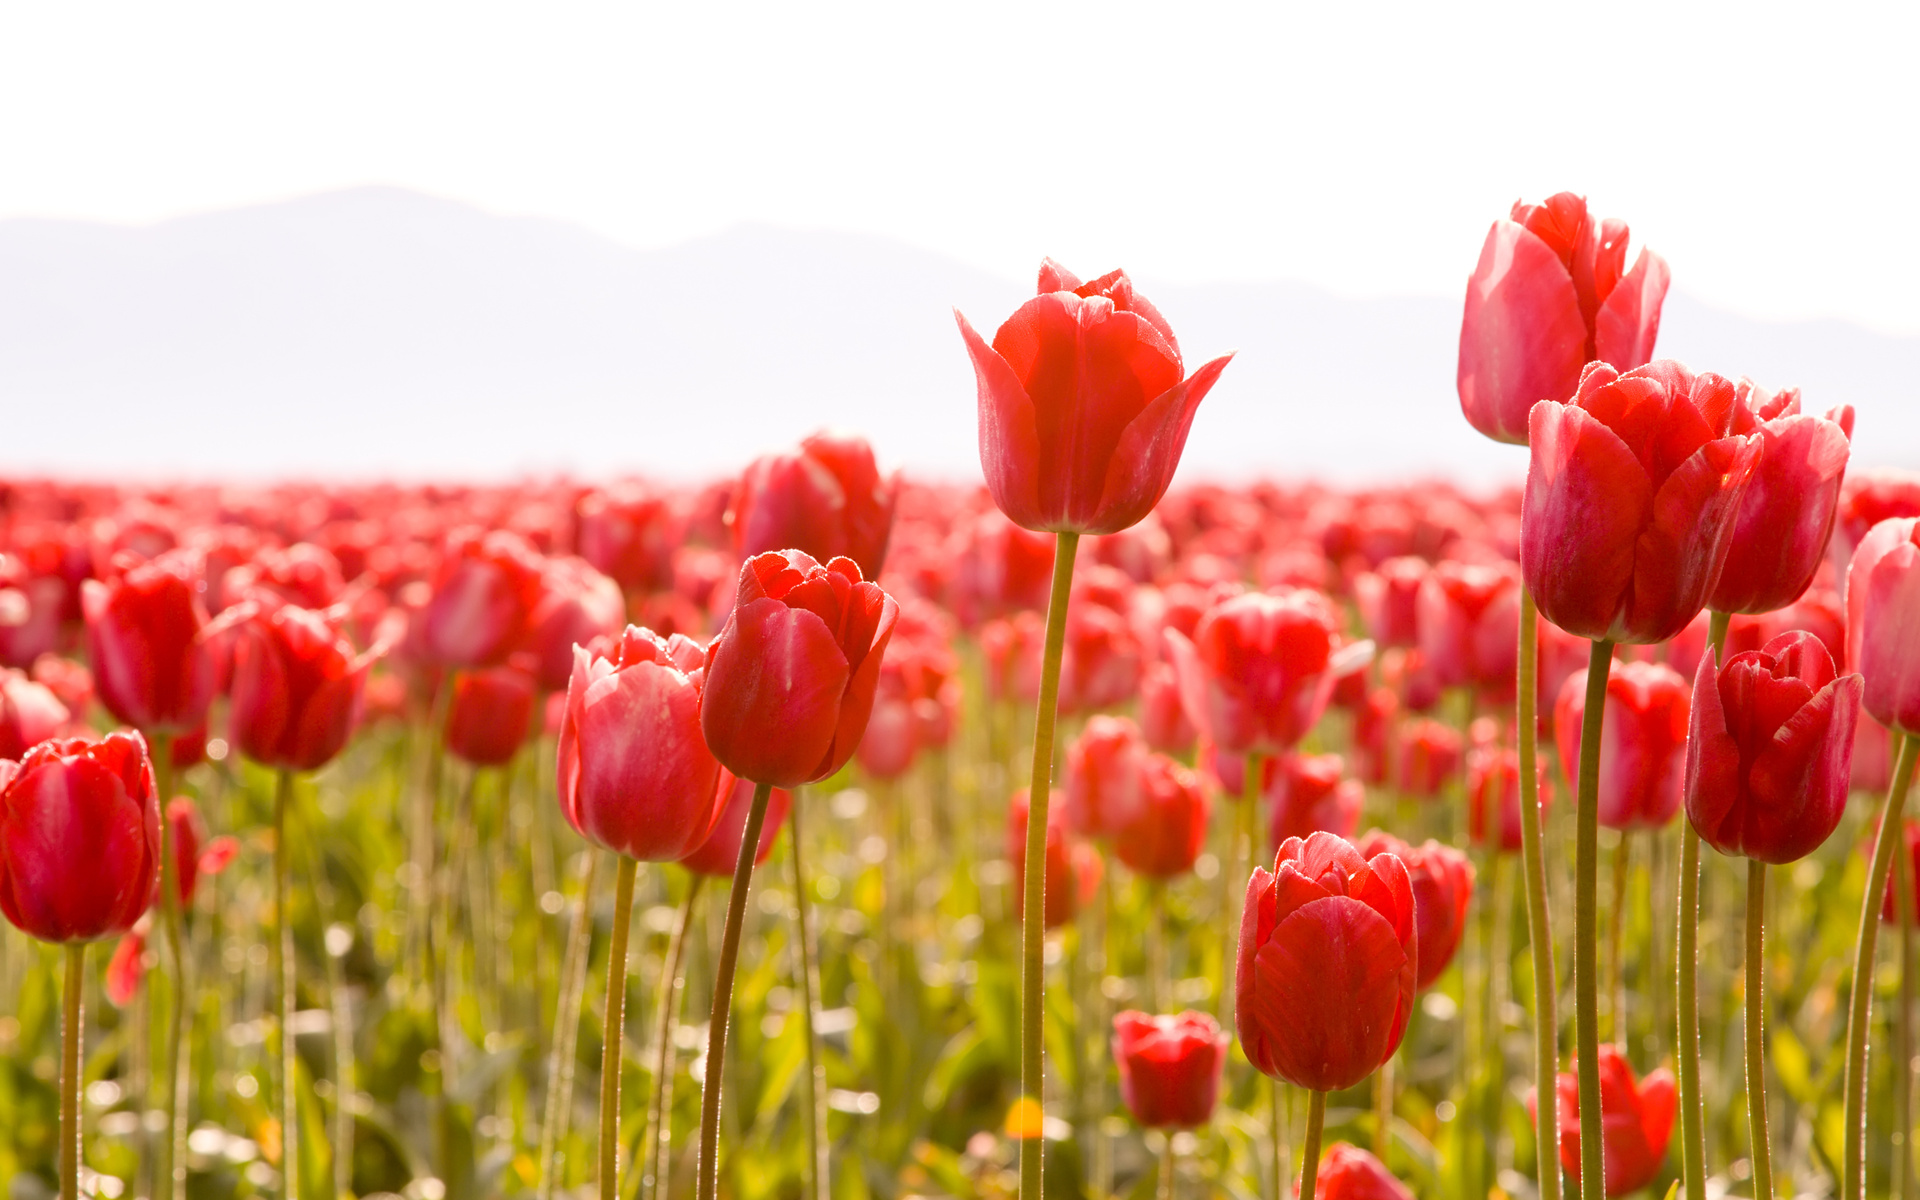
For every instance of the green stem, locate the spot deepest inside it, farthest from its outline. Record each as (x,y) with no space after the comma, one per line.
(283,944)
(1903,1033)
(1586,943)
(70,1070)
(1383,1109)
(1277,1120)
(723,994)
(818,1143)
(656,1143)
(1693,1133)
(1546,1023)
(1762,1155)
(1166,1167)
(1854,1165)
(613,1030)
(173,1151)
(1617,986)
(1157,983)
(1033,922)
(1310,1157)
(566,1028)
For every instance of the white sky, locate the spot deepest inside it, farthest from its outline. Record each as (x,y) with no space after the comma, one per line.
(1772,152)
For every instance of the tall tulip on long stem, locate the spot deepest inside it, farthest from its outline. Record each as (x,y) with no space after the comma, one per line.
(1546,1023)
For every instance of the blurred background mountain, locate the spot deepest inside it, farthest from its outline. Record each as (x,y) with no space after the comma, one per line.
(379,330)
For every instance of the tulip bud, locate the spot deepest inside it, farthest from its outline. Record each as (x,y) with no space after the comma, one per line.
(490,715)
(1104,786)
(1169,1067)
(826,498)
(1493,797)
(1426,757)
(1883,613)
(79,838)
(1164,836)
(1311,796)
(1637,1118)
(629,535)
(1260,667)
(1389,600)
(1350,1173)
(1470,627)
(151,667)
(1643,750)
(1163,718)
(297,685)
(577,604)
(484,593)
(1787,513)
(29,713)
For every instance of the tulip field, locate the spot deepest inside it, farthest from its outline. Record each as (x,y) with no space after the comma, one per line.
(820,833)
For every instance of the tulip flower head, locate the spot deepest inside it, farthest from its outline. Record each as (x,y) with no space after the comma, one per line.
(719,854)
(1469,622)
(1163,837)
(79,838)
(1310,795)
(1389,600)
(1350,1173)
(1493,797)
(826,498)
(1073,867)
(1551,293)
(484,594)
(1105,790)
(1770,748)
(1787,513)
(791,678)
(1889,904)
(297,686)
(1883,622)
(1442,890)
(577,604)
(629,534)
(1169,1067)
(1643,743)
(1083,408)
(1328,963)
(490,715)
(151,664)
(1637,1121)
(29,713)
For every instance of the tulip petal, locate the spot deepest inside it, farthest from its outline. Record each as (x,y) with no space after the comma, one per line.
(1679,554)
(1587,499)
(1628,322)
(1009,433)
(1330,977)
(1149,449)
(1798,784)
(1890,629)
(1713,762)
(1522,339)
(856,702)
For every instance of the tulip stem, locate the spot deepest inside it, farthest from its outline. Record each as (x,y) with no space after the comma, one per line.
(723,994)
(566,1028)
(1586,944)
(1854,1165)
(613,1030)
(1033,920)
(1693,1134)
(1383,1109)
(1617,982)
(283,945)
(1245,830)
(1546,1024)
(1762,1155)
(1279,1117)
(656,1142)
(1903,1032)
(70,1070)
(818,1143)
(1310,1153)
(1157,944)
(173,1153)
(1166,1167)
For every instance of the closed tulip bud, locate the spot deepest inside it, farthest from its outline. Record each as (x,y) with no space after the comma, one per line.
(1163,718)
(1637,1118)
(297,685)
(1549,295)
(1442,891)
(634,774)
(1883,622)
(1350,1173)
(1164,836)
(1643,744)
(1311,796)
(791,678)
(1493,797)
(79,838)
(1787,514)
(1769,750)
(29,713)
(1631,501)
(484,593)
(629,535)
(1260,668)
(1169,1067)
(719,854)
(826,498)
(1426,757)
(1328,959)
(151,666)
(1470,627)
(577,604)
(1083,408)
(490,715)
(1105,790)
(1389,600)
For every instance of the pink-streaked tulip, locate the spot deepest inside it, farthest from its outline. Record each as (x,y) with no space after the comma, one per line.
(1260,669)
(1786,516)
(1169,1067)
(1350,1173)
(1389,600)
(1470,627)
(1426,757)
(1163,837)
(1632,498)
(1493,796)
(1083,408)
(791,678)
(1311,795)
(826,498)
(79,838)
(151,666)
(1328,959)
(1769,750)
(29,713)
(490,715)
(577,604)
(634,773)
(1883,622)
(1636,1121)
(297,686)
(719,854)
(483,597)
(1549,295)
(1104,785)
(1643,742)
(628,533)
(1442,890)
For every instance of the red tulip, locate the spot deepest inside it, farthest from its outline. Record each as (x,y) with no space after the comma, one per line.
(1785,518)
(634,774)
(629,534)
(1100,662)
(1164,836)
(1888,912)
(296,690)
(719,854)
(1769,750)
(1373,735)
(127,965)
(1105,790)
(1328,956)
(1426,757)
(1820,612)
(151,666)
(491,715)
(1632,500)
(186,833)
(29,713)
(1310,796)
(1442,890)
(1883,622)
(1643,742)
(1012,650)
(1350,1173)
(30,611)
(1389,600)
(577,604)
(887,746)
(1547,297)
(1083,411)
(1636,1116)
(79,838)
(826,498)
(1493,796)
(1073,868)
(1260,669)
(790,680)
(1000,568)
(1163,718)
(482,603)
(1169,1067)
(302,574)
(1470,627)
